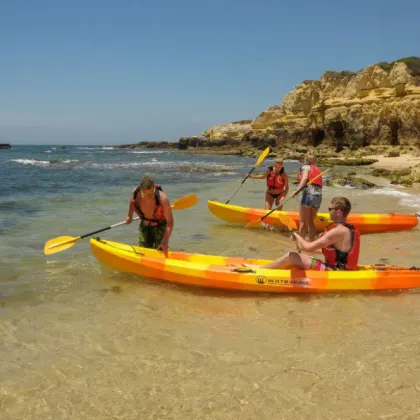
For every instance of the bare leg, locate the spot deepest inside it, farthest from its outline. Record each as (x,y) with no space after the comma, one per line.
(269,200)
(291,259)
(312,229)
(304,214)
(278,201)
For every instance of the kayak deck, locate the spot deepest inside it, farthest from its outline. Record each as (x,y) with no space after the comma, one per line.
(220,272)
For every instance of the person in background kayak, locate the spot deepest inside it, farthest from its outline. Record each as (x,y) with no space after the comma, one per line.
(340,244)
(277,184)
(311,197)
(153,207)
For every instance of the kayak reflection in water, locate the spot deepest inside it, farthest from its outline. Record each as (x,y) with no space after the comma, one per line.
(340,245)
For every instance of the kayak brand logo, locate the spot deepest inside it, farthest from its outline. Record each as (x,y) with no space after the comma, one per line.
(261,279)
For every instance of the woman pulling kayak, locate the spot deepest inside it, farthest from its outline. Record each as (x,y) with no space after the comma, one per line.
(277,184)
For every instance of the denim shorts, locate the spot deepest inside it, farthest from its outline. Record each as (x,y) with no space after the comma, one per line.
(311,201)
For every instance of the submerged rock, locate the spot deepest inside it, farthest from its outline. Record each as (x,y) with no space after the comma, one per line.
(204,169)
(349,180)
(406,177)
(346,162)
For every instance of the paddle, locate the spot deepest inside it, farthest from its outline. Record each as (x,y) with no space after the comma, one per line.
(258,163)
(64,242)
(286,220)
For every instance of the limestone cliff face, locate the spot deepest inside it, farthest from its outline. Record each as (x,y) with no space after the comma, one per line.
(232,130)
(377,105)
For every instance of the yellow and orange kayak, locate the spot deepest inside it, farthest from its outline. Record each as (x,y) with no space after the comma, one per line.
(365,223)
(222,272)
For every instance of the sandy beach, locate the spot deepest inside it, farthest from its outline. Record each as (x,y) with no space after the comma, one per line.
(394,163)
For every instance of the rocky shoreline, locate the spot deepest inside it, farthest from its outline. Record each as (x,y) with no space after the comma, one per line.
(399,164)
(346,118)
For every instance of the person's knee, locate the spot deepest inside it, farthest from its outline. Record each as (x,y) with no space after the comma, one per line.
(294,257)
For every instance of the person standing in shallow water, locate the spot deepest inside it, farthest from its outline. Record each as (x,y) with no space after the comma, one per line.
(153,207)
(311,197)
(277,184)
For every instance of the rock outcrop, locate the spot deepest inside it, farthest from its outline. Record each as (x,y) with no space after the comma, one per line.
(149,145)
(379,105)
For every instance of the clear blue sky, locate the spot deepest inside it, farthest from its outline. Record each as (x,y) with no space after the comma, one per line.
(112,72)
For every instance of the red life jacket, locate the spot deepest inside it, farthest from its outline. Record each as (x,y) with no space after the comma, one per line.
(315,171)
(275,180)
(158,216)
(344,260)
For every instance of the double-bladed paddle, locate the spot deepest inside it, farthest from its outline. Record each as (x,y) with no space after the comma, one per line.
(64,242)
(258,163)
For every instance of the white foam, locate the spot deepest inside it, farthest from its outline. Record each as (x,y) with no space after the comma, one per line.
(223,173)
(150,152)
(43,163)
(390,191)
(118,165)
(67,161)
(406,199)
(32,162)
(107,148)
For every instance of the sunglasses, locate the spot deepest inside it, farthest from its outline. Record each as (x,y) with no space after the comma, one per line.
(143,194)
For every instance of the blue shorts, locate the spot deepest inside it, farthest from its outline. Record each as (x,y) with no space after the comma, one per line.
(311,201)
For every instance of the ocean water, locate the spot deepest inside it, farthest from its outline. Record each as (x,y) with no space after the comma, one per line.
(78,340)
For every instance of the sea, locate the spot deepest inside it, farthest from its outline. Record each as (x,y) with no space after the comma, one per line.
(79,340)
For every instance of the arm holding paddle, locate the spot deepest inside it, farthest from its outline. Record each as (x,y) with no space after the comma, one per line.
(167,212)
(259,176)
(303,182)
(62,243)
(286,191)
(129,217)
(315,246)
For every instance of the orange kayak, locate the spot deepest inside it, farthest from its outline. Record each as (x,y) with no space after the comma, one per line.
(224,272)
(365,223)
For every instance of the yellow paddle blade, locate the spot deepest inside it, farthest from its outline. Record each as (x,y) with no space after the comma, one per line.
(59,244)
(185,202)
(286,220)
(253,224)
(262,157)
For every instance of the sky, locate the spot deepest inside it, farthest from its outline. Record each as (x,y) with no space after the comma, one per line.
(117,72)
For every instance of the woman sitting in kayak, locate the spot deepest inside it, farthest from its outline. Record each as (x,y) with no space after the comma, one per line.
(277,184)
(340,245)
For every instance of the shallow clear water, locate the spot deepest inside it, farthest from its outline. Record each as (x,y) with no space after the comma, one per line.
(78,340)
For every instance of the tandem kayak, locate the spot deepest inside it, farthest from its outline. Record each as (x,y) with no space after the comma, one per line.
(221,272)
(365,223)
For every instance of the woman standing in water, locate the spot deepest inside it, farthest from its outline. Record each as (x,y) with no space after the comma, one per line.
(311,197)
(277,184)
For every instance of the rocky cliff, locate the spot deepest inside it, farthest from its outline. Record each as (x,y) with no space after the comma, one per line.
(379,105)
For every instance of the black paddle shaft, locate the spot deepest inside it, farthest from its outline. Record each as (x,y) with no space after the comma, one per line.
(96,231)
(240,185)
